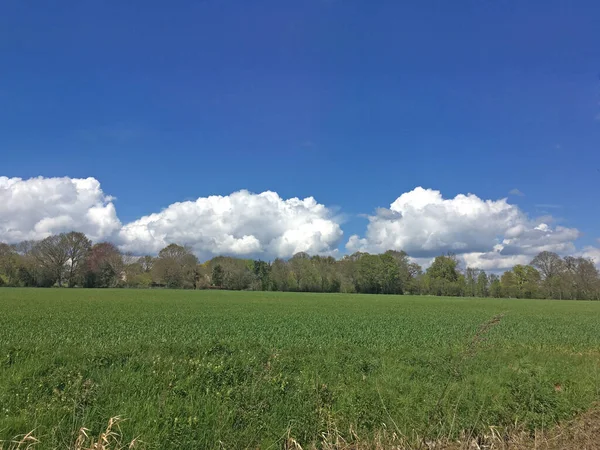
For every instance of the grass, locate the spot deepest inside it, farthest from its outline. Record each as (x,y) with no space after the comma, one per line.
(268,370)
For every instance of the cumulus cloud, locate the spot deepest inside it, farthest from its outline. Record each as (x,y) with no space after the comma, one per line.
(242,223)
(423,224)
(489,234)
(494,260)
(592,253)
(38,207)
(517,192)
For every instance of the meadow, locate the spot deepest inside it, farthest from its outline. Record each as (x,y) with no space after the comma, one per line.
(219,369)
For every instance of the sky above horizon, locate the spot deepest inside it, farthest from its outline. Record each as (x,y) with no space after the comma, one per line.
(265,128)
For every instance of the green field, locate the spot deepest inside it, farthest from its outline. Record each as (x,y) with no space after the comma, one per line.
(215,369)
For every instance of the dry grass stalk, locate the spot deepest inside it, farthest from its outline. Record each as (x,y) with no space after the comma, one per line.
(25,442)
(582,433)
(109,439)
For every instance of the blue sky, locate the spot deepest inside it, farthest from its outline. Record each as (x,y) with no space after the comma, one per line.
(351,102)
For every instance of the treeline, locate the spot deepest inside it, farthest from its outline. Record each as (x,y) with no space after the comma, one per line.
(72,260)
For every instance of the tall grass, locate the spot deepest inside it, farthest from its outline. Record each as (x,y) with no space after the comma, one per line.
(109,439)
(265,370)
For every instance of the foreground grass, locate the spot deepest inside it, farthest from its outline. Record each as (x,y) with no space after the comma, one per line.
(249,369)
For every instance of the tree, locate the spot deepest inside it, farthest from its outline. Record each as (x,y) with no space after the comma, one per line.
(404,269)
(327,269)
(24,247)
(414,283)
(8,264)
(482,284)
(306,274)
(104,266)
(459,288)
(134,276)
(495,286)
(348,273)
(444,267)
(218,275)
(581,279)
(63,256)
(52,256)
(29,271)
(390,281)
(175,267)
(509,286)
(471,278)
(77,247)
(551,268)
(262,271)
(368,274)
(280,276)
(442,277)
(521,282)
(71,259)
(234,273)
(377,274)
(203,279)
(549,264)
(146,263)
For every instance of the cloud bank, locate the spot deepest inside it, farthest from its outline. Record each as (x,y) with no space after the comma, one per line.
(38,207)
(488,234)
(242,223)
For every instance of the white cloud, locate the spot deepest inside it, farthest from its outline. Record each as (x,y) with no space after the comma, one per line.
(489,234)
(494,261)
(517,192)
(242,223)
(423,224)
(541,238)
(591,252)
(38,207)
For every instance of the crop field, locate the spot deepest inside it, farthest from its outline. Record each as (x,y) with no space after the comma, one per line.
(216,369)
